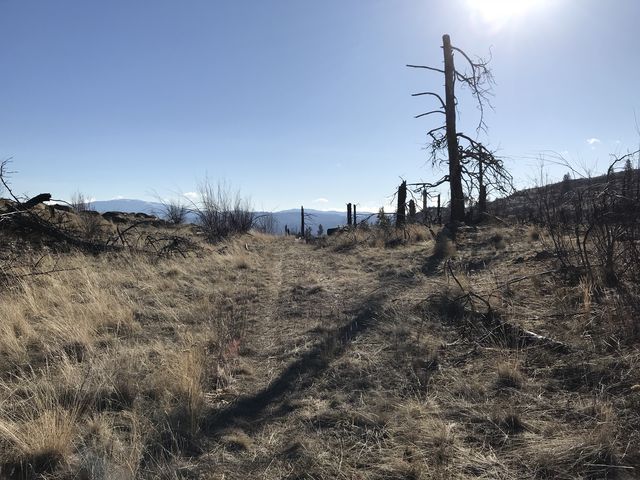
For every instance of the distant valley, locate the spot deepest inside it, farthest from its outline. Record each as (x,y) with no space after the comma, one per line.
(290,218)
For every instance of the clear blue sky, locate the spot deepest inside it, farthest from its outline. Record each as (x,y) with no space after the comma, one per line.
(299,101)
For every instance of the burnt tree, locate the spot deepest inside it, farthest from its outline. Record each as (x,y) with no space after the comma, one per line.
(402,203)
(455,174)
(412,211)
(468,163)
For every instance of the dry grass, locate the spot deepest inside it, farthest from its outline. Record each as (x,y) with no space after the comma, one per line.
(38,436)
(508,376)
(266,358)
(375,237)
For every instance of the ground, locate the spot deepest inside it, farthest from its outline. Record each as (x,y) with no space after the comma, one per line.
(267,357)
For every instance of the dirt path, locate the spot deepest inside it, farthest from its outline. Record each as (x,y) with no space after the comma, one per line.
(323,316)
(360,372)
(310,312)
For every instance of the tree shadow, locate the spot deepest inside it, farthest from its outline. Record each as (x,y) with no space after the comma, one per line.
(257,409)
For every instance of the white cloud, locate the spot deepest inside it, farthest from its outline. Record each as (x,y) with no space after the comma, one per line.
(371,208)
(592,141)
(191,195)
(321,200)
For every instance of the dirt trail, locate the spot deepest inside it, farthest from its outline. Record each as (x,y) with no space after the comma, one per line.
(318,341)
(311,312)
(357,376)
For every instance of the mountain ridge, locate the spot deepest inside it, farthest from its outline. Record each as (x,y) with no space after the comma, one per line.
(289,217)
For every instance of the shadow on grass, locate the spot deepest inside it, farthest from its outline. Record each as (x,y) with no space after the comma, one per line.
(263,405)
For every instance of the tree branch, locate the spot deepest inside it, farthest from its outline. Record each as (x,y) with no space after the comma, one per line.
(425,67)
(429,113)
(432,94)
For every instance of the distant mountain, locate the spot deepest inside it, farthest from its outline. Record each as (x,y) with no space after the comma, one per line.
(289,218)
(127,206)
(313,219)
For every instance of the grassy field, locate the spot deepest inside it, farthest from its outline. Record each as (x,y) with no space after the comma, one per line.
(267,357)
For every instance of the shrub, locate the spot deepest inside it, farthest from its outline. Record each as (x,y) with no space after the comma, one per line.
(80,202)
(220,212)
(594,226)
(509,376)
(266,223)
(174,211)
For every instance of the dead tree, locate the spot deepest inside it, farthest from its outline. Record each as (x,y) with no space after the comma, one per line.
(483,171)
(301,222)
(355,216)
(412,211)
(349,214)
(402,202)
(479,80)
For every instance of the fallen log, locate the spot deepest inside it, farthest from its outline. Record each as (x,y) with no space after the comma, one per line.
(32,202)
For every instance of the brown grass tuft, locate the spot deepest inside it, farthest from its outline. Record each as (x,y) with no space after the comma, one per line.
(508,376)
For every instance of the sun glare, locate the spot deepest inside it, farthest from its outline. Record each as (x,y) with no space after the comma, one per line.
(497,13)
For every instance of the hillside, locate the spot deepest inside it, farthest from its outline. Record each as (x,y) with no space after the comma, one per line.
(266,357)
(524,202)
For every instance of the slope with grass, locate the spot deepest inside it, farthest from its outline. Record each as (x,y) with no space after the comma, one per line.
(265,357)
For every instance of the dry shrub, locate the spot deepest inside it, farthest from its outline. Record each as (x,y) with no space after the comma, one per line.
(444,247)
(498,241)
(533,234)
(105,453)
(448,303)
(375,236)
(179,387)
(15,332)
(442,443)
(185,381)
(236,440)
(241,262)
(508,376)
(469,389)
(51,422)
(591,456)
(221,212)
(37,433)
(59,314)
(508,421)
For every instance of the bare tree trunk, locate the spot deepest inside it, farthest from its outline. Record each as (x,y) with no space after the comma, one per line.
(412,211)
(355,216)
(348,214)
(438,213)
(402,201)
(301,222)
(455,171)
(482,195)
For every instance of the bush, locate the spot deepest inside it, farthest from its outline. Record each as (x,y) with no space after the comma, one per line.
(220,212)
(80,202)
(174,211)
(594,229)
(266,223)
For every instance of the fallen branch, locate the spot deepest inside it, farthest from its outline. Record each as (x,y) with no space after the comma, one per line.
(493,324)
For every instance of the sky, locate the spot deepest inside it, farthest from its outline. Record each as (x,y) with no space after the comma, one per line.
(300,102)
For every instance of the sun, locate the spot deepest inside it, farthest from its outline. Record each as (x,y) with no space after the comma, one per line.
(498,13)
